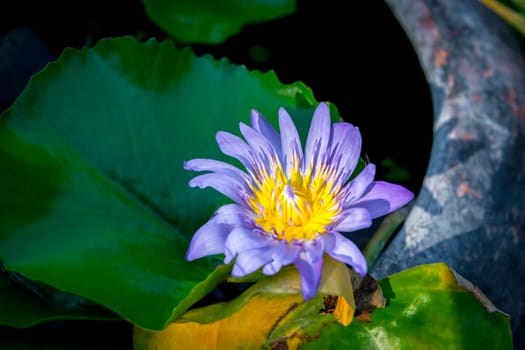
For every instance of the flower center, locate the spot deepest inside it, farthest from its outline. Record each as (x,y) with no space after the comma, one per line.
(296,208)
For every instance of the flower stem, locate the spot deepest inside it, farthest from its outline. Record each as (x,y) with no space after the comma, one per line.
(384,232)
(512,17)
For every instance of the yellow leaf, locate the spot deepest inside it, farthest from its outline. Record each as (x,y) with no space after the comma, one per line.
(247,328)
(343,313)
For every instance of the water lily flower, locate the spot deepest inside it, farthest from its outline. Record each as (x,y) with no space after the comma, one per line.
(290,206)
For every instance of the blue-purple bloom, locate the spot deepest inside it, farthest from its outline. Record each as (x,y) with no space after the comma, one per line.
(290,207)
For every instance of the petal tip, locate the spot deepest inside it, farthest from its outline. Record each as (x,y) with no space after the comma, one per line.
(195,183)
(190,255)
(308,294)
(283,114)
(361,268)
(323,107)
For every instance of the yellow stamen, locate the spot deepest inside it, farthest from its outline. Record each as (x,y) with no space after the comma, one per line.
(295,208)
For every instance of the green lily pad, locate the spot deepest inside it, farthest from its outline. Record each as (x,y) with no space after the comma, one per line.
(212,21)
(429,307)
(95,201)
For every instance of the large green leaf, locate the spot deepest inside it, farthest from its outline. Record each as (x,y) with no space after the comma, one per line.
(429,307)
(212,21)
(94,198)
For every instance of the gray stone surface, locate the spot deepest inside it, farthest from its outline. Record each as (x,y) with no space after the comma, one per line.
(469,212)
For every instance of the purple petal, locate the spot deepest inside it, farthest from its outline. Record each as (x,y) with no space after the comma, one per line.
(267,154)
(318,135)
(383,197)
(355,189)
(251,260)
(283,254)
(353,219)
(235,147)
(345,148)
(260,124)
(242,239)
(200,164)
(208,240)
(291,143)
(224,184)
(343,249)
(233,214)
(310,265)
